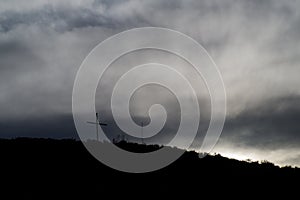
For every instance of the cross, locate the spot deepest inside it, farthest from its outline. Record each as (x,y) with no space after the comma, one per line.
(97,123)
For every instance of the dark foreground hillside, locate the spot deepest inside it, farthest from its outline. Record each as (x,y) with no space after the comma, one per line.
(46,168)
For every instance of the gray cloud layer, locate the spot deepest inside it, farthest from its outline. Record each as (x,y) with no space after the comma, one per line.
(255,44)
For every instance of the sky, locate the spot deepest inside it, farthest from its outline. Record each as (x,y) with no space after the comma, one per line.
(255,45)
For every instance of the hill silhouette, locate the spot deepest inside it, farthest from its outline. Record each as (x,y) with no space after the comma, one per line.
(39,167)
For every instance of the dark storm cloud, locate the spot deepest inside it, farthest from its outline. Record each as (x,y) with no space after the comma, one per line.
(272,125)
(58,126)
(61,19)
(65,18)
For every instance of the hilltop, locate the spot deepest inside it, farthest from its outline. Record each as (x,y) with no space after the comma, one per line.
(31,166)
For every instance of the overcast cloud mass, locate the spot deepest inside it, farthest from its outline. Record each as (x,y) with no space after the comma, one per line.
(255,44)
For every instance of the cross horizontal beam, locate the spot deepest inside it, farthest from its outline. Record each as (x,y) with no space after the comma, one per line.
(101,124)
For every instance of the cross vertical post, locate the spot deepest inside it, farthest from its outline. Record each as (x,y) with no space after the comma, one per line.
(142,132)
(97,123)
